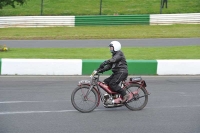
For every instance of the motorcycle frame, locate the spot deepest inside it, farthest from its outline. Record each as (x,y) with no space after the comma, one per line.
(94,85)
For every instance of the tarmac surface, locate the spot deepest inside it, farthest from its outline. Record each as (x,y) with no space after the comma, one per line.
(42,104)
(100,43)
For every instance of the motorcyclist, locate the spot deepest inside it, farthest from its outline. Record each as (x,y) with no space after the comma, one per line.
(119,67)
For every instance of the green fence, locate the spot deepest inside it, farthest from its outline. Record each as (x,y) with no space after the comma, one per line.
(142,67)
(112,20)
(89,65)
(135,67)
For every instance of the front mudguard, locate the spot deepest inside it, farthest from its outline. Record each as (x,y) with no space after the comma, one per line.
(84,82)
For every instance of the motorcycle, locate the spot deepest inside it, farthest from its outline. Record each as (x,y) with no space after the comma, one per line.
(87,95)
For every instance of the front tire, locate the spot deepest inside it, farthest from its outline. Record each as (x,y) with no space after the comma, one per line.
(82,103)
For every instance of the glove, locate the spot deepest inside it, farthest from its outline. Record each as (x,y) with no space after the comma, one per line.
(100,71)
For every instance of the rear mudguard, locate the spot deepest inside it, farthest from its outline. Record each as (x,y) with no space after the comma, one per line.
(141,83)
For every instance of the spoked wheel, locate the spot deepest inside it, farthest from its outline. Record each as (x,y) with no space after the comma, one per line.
(139,97)
(81,102)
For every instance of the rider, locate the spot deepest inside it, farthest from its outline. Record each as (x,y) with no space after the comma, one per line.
(119,68)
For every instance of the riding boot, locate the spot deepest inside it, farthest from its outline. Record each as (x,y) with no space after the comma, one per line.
(125,98)
(123,94)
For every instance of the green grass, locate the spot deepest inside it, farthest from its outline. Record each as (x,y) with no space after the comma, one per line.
(109,7)
(132,53)
(103,32)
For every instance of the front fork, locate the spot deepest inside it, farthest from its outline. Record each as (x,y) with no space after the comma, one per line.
(88,92)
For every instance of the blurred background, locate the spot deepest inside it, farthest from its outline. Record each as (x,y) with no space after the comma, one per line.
(100,7)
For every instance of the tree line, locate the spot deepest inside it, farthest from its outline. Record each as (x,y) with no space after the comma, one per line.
(12,3)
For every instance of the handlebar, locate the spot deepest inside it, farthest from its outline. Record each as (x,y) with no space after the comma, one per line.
(93,73)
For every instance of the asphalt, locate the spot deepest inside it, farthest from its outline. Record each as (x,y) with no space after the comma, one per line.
(158,42)
(41,104)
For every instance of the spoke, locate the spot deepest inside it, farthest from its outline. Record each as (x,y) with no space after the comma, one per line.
(83,101)
(82,91)
(93,101)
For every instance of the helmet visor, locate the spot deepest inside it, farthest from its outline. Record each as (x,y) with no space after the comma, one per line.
(111,49)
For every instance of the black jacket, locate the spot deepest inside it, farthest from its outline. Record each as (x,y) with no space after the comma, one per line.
(117,63)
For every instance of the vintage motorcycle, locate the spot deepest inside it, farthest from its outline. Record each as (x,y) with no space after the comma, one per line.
(87,96)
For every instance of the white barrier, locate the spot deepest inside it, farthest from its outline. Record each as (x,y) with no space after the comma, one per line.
(53,21)
(74,67)
(165,19)
(37,21)
(41,67)
(178,67)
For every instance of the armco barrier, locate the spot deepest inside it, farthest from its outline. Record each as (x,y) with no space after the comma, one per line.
(85,67)
(41,67)
(112,20)
(50,21)
(89,65)
(141,67)
(178,67)
(165,19)
(36,21)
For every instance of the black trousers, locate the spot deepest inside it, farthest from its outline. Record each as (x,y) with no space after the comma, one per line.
(114,80)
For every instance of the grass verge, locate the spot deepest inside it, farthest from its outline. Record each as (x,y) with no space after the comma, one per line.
(132,53)
(103,32)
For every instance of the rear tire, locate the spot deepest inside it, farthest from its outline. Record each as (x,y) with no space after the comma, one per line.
(139,101)
(82,103)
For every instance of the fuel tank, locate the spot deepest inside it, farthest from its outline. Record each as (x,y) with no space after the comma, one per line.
(106,88)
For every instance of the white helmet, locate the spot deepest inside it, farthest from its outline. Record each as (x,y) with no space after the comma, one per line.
(116,45)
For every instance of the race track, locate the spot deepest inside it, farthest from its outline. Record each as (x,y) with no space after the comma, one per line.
(41,104)
(100,43)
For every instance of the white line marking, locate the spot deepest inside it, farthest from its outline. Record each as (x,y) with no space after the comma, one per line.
(64,111)
(33,112)
(183,106)
(7,102)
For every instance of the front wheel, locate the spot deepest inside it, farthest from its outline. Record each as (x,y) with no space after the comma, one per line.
(140,97)
(81,102)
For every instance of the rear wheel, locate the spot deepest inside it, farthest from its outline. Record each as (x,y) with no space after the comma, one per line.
(139,99)
(81,102)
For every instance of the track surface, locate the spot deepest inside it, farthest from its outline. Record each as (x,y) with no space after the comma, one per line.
(41,104)
(100,43)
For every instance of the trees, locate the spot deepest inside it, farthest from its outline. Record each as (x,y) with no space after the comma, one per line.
(11,3)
